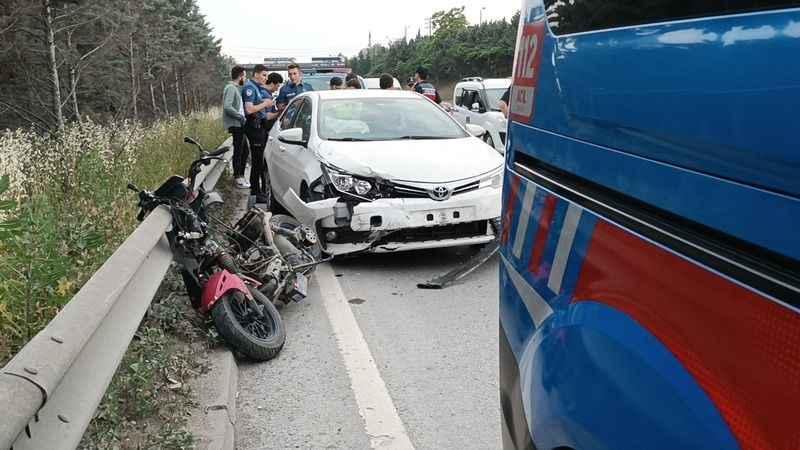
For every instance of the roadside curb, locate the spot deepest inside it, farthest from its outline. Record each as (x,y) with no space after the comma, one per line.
(213,423)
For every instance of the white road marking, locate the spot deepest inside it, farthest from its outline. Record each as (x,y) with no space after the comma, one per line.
(564,247)
(382,423)
(524,219)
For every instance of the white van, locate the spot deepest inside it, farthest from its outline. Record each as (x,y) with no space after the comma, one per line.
(476,101)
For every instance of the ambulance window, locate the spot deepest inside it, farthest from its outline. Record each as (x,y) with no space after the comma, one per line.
(575,16)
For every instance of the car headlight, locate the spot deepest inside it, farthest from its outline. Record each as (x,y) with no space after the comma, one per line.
(362,187)
(341,182)
(492,180)
(349,184)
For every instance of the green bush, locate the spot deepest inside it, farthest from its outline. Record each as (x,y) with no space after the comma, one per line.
(64,207)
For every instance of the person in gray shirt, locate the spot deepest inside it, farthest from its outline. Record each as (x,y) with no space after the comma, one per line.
(233,120)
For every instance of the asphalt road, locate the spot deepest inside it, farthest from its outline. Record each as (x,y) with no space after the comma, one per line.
(373,362)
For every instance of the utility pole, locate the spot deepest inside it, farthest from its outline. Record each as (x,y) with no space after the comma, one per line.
(481,20)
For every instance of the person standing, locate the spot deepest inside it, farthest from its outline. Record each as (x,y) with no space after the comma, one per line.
(336,83)
(293,88)
(424,87)
(505,102)
(260,178)
(256,108)
(233,120)
(386,81)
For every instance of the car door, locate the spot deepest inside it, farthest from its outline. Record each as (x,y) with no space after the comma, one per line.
(470,98)
(455,110)
(277,158)
(299,161)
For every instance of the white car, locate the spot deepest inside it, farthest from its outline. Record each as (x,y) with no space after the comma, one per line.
(383,171)
(476,101)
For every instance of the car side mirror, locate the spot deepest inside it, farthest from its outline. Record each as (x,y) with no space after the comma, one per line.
(475,130)
(476,107)
(292,136)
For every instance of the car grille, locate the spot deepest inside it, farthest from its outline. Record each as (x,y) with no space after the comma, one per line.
(406,191)
(456,231)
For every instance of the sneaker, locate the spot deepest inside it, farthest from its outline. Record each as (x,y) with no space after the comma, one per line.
(241,183)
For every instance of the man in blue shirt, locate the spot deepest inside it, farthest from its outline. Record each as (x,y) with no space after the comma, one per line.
(259,178)
(293,88)
(256,106)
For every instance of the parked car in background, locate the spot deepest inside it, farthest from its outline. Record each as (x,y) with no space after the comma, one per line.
(383,171)
(321,81)
(477,100)
(374,83)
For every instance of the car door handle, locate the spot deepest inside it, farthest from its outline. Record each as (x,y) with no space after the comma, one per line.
(282,148)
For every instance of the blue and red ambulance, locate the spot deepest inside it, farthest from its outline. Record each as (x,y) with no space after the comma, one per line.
(650,274)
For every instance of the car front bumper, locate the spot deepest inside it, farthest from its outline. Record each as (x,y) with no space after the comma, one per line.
(400,224)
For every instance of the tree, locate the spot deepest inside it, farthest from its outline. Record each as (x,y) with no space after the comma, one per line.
(145,59)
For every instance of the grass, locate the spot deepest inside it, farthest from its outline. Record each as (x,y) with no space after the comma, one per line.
(64,208)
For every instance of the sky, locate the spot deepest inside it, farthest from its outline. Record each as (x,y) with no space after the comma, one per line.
(252,30)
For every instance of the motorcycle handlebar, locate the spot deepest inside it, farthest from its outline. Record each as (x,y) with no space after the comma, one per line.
(218,152)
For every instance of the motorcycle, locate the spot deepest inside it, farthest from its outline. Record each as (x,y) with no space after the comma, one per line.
(240,278)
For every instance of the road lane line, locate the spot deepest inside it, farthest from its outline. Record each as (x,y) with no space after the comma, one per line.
(382,423)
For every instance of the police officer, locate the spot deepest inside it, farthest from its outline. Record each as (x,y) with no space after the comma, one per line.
(259,178)
(256,107)
(293,88)
(422,86)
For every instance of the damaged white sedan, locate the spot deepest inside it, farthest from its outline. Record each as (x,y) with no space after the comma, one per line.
(383,171)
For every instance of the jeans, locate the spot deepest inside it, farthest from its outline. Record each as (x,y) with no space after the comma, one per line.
(239,151)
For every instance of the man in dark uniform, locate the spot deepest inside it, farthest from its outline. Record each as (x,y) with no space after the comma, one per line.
(293,88)
(267,90)
(424,87)
(505,102)
(256,108)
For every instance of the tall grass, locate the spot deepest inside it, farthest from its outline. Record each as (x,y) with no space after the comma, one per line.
(64,207)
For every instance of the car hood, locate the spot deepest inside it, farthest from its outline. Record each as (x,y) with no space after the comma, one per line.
(422,161)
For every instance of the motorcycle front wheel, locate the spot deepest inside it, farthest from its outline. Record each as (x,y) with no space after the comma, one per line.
(295,256)
(244,329)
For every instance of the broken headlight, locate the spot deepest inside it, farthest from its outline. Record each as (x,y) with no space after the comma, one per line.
(345,183)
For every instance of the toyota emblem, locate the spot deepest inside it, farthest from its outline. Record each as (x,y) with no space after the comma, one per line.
(440,193)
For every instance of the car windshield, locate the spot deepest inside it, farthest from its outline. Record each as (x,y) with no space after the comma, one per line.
(385,119)
(493,97)
(322,82)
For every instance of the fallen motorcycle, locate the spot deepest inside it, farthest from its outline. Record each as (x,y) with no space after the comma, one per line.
(238,279)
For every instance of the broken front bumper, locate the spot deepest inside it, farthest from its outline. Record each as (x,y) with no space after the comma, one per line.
(399,224)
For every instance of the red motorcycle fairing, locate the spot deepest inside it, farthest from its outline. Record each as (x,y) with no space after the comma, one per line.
(220,284)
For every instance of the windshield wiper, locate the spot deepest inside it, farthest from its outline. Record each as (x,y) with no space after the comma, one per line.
(349,139)
(421,138)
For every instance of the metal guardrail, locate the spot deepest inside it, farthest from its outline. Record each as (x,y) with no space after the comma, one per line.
(50,390)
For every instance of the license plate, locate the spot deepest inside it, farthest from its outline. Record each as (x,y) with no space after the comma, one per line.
(445,216)
(299,288)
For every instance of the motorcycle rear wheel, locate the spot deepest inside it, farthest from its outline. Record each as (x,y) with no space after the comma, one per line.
(240,326)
